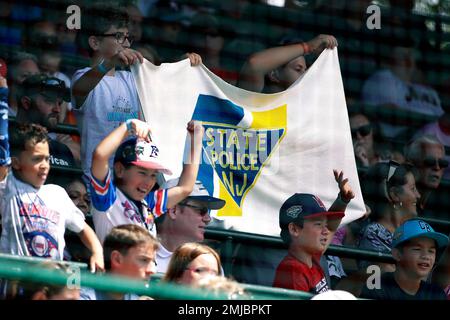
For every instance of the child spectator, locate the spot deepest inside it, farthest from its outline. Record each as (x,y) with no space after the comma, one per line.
(34,215)
(129,252)
(185,222)
(192,262)
(307,228)
(104,96)
(128,197)
(283,64)
(24,290)
(415,247)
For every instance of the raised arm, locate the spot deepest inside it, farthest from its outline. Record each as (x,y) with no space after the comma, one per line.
(108,146)
(90,240)
(259,64)
(88,81)
(190,167)
(5,159)
(345,195)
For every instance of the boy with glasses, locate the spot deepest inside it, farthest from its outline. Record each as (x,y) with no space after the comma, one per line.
(185,222)
(104,95)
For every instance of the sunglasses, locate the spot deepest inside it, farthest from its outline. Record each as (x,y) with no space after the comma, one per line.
(363,130)
(432,162)
(393,165)
(202,210)
(119,36)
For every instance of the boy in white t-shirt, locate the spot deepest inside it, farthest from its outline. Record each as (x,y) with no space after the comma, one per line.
(104,95)
(128,197)
(34,215)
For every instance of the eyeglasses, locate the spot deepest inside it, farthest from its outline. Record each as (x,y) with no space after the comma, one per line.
(120,37)
(202,210)
(363,130)
(432,162)
(204,271)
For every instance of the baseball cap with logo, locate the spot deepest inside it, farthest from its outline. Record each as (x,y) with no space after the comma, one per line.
(140,153)
(415,228)
(306,206)
(199,194)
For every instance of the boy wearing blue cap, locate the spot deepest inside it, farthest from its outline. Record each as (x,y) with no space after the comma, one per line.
(307,228)
(415,247)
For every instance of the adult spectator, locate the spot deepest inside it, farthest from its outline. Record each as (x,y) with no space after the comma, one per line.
(40,102)
(21,65)
(393,88)
(185,222)
(428,155)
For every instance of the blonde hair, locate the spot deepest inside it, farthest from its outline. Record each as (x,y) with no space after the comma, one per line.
(219,284)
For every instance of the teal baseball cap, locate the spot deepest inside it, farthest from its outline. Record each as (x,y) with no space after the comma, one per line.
(418,228)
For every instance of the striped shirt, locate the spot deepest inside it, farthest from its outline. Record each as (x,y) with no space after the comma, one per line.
(110,207)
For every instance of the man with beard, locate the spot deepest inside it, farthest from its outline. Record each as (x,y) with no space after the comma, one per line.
(40,101)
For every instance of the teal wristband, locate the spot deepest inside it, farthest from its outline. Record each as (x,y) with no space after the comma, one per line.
(101,67)
(129,127)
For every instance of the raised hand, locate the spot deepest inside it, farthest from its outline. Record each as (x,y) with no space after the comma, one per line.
(139,129)
(125,57)
(321,42)
(195,58)
(345,190)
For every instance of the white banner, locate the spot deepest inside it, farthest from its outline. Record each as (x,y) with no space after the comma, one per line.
(258,149)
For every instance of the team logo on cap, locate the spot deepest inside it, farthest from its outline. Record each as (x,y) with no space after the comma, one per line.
(294,211)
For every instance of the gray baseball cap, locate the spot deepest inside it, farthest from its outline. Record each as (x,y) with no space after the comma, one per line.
(199,194)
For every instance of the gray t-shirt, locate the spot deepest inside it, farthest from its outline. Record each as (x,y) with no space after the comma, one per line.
(113,101)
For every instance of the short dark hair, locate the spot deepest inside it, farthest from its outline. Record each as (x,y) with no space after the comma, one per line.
(286,235)
(21,134)
(97,19)
(122,238)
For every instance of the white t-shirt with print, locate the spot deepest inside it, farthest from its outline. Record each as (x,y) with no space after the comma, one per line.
(113,101)
(110,208)
(34,220)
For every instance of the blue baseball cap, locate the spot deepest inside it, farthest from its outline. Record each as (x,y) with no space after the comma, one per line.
(415,228)
(305,206)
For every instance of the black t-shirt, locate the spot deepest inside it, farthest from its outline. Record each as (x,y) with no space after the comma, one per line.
(391,291)
(60,154)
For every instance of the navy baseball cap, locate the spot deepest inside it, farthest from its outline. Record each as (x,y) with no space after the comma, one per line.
(306,206)
(415,228)
(140,153)
(49,87)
